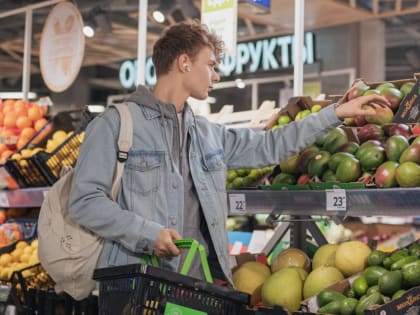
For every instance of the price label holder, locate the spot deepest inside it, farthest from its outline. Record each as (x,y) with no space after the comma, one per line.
(4,201)
(237,203)
(4,292)
(336,200)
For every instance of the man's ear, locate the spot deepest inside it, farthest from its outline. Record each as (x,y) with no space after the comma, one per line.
(182,60)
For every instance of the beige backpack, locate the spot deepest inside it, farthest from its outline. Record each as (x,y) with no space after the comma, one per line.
(67,251)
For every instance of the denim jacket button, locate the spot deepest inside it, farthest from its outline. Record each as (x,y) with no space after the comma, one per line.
(173,221)
(174,185)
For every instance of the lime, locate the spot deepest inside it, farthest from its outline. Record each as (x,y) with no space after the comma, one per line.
(376,258)
(360,285)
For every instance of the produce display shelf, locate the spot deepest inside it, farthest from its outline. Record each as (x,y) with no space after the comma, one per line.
(22,198)
(359,202)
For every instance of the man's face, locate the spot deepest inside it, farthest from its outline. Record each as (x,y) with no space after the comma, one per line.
(203,75)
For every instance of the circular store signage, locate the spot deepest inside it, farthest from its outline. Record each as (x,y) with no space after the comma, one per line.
(62,47)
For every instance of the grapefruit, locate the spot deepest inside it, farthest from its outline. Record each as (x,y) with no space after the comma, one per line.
(319,279)
(324,256)
(249,278)
(273,290)
(291,257)
(351,257)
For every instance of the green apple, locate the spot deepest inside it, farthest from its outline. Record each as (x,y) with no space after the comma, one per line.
(302,114)
(316,108)
(284,120)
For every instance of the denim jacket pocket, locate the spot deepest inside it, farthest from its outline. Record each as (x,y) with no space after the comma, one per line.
(145,169)
(215,166)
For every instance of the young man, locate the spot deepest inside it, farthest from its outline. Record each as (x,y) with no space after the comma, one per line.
(173,184)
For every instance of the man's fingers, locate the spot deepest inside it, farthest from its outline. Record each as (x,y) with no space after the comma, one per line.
(175,235)
(173,249)
(377,99)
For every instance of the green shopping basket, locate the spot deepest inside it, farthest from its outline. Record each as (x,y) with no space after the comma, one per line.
(144,289)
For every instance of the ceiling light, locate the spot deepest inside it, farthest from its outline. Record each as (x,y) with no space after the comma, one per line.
(166,7)
(88,31)
(240,84)
(96,108)
(158,16)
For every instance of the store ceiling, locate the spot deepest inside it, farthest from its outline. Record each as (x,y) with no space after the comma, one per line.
(109,48)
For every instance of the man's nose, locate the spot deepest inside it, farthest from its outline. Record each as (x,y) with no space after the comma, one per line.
(216,77)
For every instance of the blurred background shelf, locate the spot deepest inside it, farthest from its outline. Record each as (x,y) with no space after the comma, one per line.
(23,198)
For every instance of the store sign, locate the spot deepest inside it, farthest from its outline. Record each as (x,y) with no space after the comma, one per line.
(256,56)
(62,47)
(221,17)
(128,73)
(266,54)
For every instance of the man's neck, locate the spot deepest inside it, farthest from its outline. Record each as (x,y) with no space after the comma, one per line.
(169,91)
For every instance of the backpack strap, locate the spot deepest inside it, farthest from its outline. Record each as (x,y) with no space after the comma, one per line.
(125,141)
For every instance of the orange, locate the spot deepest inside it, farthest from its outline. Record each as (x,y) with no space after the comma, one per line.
(1,119)
(19,104)
(5,155)
(21,143)
(10,120)
(23,122)
(8,107)
(6,102)
(21,111)
(40,123)
(27,133)
(3,147)
(7,132)
(34,113)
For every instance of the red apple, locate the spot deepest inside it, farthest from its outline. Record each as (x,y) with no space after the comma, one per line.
(415,130)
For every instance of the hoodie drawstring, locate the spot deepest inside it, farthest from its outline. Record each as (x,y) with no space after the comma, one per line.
(165,136)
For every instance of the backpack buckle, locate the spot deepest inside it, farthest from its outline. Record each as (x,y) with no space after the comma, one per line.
(122,156)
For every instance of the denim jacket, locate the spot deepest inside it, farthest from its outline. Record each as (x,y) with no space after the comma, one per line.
(151,192)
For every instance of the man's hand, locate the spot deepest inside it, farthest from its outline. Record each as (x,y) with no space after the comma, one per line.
(355,106)
(164,245)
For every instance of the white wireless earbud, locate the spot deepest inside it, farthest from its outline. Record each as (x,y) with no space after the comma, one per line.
(187,67)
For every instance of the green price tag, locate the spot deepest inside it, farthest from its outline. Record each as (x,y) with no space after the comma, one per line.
(175,309)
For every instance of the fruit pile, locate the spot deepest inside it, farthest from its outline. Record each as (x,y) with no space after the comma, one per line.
(386,278)
(291,269)
(297,114)
(56,140)
(241,178)
(388,156)
(19,121)
(23,256)
(392,92)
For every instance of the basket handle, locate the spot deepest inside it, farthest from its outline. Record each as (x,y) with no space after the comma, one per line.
(193,246)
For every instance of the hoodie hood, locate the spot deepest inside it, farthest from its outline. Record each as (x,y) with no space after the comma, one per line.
(143,96)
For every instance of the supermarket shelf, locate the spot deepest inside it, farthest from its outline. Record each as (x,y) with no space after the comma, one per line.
(360,202)
(22,198)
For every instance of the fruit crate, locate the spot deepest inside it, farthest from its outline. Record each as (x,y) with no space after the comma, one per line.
(31,277)
(48,302)
(144,289)
(42,169)
(50,164)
